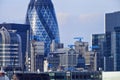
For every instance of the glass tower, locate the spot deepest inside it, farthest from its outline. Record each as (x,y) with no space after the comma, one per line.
(42,19)
(98,46)
(112,41)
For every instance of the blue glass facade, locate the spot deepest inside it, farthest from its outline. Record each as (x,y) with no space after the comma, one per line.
(113,41)
(112,21)
(80,62)
(42,19)
(98,45)
(117,50)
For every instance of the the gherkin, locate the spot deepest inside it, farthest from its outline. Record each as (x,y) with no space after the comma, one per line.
(42,19)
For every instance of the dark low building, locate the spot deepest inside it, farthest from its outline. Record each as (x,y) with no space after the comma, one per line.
(80,62)
(31,76)
(75,75)
(59,76)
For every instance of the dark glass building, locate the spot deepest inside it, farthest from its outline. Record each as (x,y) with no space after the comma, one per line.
(23,30)
(73,75)
(112,41)
(98,46)
(116,44)
(80,62)
(42,19)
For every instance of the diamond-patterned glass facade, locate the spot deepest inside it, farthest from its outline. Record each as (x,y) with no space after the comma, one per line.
(42,19)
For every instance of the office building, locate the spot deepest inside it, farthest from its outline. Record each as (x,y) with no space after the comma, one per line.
(54,46)
(63,59)
(37,56)
(23,30)
(10,50)
(98,46)
(54,61)
(42,19)
(68,59)
(80,62)
(88,60)
(112,30)
(73,75)
(81,48)
(30,76)
(93,61)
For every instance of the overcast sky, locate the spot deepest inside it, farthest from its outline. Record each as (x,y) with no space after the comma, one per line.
(76,18)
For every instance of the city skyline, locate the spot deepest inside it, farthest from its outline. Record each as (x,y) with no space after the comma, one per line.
(71,16)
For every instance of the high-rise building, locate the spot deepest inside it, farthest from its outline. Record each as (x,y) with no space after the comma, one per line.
(23,30)
(42,19)
(10,50)
(37,56)
(112,54)
(98,46)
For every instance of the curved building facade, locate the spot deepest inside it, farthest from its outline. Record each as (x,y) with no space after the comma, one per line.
(10,49)
(42,19)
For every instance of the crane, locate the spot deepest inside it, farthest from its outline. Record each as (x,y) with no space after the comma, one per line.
(71,46)
(79,38)
(94,47)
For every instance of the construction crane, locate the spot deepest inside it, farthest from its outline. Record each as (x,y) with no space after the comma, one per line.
(71,46)
(94,47)
(79,38)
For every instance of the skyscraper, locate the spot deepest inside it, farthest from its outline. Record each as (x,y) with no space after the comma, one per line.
(42,19)
(112,54)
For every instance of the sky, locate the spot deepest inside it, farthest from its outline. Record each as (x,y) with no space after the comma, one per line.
(76,18)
